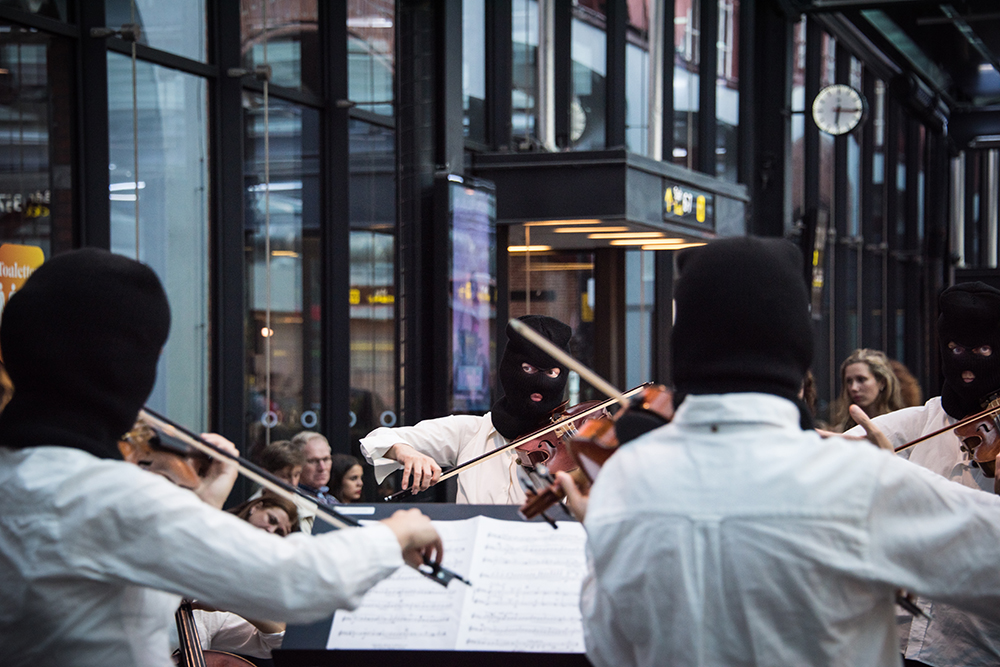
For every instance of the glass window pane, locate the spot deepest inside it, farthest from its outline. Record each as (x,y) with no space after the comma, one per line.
(171,234)
(640,293)
(177,26)
(52,9)
(373,287)
(798,129)
(589,53)
(371,51)
(36,141)
(687,38)
(637,78)
(283,275)
(524,71)
(727,91)
(290,39)
(474,69)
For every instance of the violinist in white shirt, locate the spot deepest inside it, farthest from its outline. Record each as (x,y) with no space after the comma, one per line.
(735,535)
(533,384)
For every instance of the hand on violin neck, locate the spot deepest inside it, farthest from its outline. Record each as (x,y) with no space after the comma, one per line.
(417,537)
(419,470)
(576,500)
(217,482)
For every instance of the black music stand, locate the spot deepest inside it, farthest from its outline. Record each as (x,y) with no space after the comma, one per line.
(305,645)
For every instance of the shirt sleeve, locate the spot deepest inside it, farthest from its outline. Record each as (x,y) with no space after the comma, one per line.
(936,538)
(135,527)
(441,439)
(224,631)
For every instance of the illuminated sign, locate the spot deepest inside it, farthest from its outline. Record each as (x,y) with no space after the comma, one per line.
(682,203)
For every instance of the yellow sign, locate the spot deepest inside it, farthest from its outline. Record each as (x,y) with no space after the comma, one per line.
(17,263)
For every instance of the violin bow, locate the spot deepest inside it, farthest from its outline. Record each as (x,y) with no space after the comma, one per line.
(959,424)
(433,571)
(526,438)
(561,356)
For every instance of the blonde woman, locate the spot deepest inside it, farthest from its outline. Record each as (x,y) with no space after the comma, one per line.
(866,380)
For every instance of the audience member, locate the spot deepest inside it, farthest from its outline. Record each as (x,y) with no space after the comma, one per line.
(866,380)
(315,477)
(345,478)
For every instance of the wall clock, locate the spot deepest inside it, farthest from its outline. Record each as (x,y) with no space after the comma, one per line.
(838,109)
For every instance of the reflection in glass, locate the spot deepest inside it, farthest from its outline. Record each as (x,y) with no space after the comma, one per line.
(727,91)
(640,293)
(637,78)
(371,50)
(373,287)
(37,108)
(524,72)
(292,290)
(52,9)
(291,39)
(587,105)
(687,39)
(171,234)
(177,26)
(798,124)
(474,69)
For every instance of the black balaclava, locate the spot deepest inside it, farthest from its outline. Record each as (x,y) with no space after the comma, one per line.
(80,341)
(970,318)
(515,414)
(742,319)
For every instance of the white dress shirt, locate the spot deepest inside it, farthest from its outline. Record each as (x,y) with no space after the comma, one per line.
(951,637)
(225,631)
(451,441)
(732,537)
(94,555)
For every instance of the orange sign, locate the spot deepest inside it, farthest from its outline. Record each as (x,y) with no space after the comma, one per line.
(17,263)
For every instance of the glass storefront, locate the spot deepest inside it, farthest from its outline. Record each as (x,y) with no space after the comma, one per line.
(37,144)
(282,232)
(160,215)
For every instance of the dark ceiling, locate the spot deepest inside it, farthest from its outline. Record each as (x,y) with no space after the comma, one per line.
(952,48)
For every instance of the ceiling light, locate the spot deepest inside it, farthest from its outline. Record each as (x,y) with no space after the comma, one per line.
(554,223)
(587,230)
(626,235)
(528,248)
(681,246)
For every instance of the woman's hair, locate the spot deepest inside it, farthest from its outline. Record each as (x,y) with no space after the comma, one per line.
(338,469)
(888,399)
(267,501)
(909,388)
(281,454)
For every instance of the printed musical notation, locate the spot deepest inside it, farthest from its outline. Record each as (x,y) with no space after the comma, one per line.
(525,594)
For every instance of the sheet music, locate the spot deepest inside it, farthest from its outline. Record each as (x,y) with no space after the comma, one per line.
(525,594)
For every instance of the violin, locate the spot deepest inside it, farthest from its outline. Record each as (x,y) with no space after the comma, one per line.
(167,431)
(160,453)
(981,440)
(546,444)
(548,448)
(594,443)
(190,653)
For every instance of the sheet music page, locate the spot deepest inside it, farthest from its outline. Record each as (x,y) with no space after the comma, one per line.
(526,588)
(525,594)
(407,610)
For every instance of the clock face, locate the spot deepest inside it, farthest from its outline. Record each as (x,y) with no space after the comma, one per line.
(838,109)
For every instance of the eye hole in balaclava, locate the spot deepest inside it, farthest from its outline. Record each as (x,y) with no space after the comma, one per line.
(533,382)
(969,332)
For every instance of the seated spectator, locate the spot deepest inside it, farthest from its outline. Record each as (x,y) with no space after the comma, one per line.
(345,478)
(285,460)
(315,476)
(269,512)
